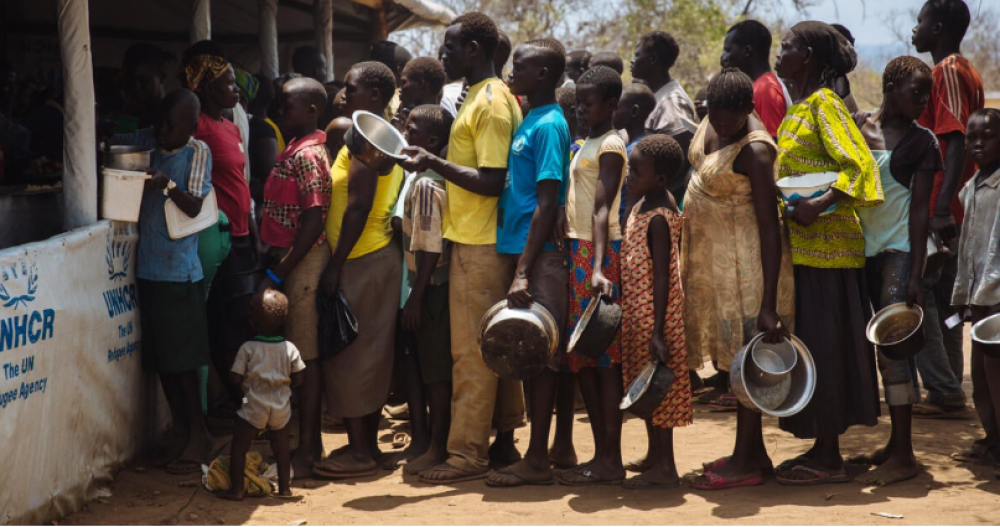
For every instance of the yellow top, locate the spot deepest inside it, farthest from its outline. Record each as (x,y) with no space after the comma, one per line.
(480,138)
(584,171)
(277,134)
(378,229)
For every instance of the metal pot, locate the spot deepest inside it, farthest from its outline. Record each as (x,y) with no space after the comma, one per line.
(781,400)
(124,157)
(596,329)
(518,344)
(985,336)
(375,142)
(647,391)
(770,364)
(897,331)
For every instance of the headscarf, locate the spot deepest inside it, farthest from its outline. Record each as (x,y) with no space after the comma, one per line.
(202,70)
(247,84)
(834,52)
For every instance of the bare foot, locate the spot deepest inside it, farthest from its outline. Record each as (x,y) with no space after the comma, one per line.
(875,457)
(893,470)
(302,464)
(639,465)
(653,478)
(429,460)
(404,457)
(598,473)
(503,453)
(563,455)
(230,495)
(520,474)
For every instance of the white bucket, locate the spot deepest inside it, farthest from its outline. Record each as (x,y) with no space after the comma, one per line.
(122,194)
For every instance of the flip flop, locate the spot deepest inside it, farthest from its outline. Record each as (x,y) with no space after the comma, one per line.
(726,402)
(183,467)
(328,469)
(820,476)
(722,461)
(520,480)
(293,497)
(713,481)
(591,479)
(641,483)
(789,464)
(458,474)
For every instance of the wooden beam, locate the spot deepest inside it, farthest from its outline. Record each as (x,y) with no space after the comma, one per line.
(372,4)
(34,28)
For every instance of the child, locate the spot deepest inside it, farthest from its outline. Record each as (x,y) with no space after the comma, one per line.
(266,368)
(421,82)
(896,241)
(976,284)
(653,312)
(577,62)
(594,241)
(170,274)
(296,201)
(636,104)
(567,101)
(609,59)
(538,172)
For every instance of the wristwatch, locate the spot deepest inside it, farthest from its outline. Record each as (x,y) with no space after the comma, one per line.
(170,186)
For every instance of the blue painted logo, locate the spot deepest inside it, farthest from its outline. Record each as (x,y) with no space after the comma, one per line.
(118,255)
(18,284)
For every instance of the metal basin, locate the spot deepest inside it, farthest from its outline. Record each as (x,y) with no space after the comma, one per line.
(782,400)
(518,344)
(897,331)
(375,142)
(986,336)
(646,392)
(124,157)
(596,329)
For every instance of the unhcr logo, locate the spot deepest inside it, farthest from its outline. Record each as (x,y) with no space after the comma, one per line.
(18,288)
(118,255)
(18,284)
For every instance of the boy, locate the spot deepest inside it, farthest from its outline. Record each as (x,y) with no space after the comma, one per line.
(421,82)
(634,107)
(674,114)
(475,172)
(296,201)
(266,368)
(170,273)
(748,47)
(577,62)
(567,101)
(535,190)
(957,92)
(896,241)
(609,59)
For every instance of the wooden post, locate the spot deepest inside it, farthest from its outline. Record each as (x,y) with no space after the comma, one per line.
(267,37)
(323,24)
(380,25)
(79,147)
(201,21)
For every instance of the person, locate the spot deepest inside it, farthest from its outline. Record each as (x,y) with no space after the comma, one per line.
(653,311)
(296,202)
(737,269)
(454,89)
(609,59)
(335,132)
(267,369)
(170,277)
(577,62)
(395,57)
(818,135)
(976,282)
(213,79)
(593,236)
(700,106)
(307,61)
(421,82)
(674,114)
(144,68)
(630,116)
(367,267)
(425,310)
(748,48)
(896,241)
(263,140)
(538,173)
(475,172)
(567,100)
(333,109)
(957,92)
(502,54)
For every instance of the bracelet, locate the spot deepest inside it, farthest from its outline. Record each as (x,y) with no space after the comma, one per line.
(274,277)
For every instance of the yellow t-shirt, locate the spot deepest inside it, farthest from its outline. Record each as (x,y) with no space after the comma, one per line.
(378,229)
(277,135)
(480,138)
(584,171)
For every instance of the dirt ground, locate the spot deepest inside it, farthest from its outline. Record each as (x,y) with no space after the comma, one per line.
(946,493)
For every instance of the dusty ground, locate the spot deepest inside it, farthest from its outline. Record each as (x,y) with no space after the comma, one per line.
(947,493)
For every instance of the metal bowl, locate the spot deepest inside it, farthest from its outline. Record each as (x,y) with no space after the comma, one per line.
(646,392)
(985,336)
(124,157)
(897,330)
(375,142)
(801,383)
(518,344)
(596,329)
(770,364)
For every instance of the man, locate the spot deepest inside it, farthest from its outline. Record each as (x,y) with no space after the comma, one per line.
(674,114)
(475,172)
(395,57)
(748,48)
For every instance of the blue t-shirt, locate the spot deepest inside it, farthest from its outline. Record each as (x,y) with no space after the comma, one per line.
(190,167)
(538,152)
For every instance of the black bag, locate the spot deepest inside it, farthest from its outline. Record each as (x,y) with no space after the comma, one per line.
(337,326)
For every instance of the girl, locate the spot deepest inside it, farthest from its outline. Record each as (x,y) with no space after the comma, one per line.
(737,278)
(653,311)
(596,174)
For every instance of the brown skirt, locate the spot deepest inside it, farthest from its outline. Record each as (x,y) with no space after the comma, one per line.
(357,379)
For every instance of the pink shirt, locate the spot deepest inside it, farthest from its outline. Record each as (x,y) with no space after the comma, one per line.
(232,192)
(300,181)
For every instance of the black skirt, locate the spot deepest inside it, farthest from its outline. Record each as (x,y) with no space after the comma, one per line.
(831,312)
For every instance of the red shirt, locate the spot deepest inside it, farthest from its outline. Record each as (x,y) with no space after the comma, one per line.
(300,181)
(232,192)
(769,102)
(956,93)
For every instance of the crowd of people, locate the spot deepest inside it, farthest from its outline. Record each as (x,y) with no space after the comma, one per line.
(561,185)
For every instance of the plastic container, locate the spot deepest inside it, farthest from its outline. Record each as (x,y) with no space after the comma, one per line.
(807,186)
(122,194)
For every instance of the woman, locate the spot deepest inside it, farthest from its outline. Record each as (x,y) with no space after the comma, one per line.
(213,79)
(737,278)
(828,253)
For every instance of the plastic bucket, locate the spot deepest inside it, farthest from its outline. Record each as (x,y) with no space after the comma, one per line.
(122,194)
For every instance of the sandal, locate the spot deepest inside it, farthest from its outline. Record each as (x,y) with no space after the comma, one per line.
(330,469)
(711,480)
(455,475)
(726,402)
(819,475)
(496,479)
(722,461)
(588,478)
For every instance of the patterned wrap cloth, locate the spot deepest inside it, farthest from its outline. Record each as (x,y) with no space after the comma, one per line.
(202,70)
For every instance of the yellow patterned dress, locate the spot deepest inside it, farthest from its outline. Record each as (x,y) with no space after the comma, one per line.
(722,273)
(638,319)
